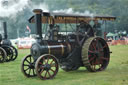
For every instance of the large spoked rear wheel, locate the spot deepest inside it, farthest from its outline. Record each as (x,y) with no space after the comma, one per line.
(27,66)
(15,53)
(46,66)
(2,55)
(95,54)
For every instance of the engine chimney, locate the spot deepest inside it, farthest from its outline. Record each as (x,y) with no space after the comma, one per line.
(38,22)
(5,30)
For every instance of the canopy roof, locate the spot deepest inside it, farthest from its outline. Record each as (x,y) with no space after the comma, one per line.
(111,34)
(48,17)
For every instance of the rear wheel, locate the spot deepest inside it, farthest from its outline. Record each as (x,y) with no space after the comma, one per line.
(2,55)
(46,67)
(15,53)
(95,54)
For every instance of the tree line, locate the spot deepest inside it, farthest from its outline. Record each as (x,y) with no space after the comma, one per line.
(117,8)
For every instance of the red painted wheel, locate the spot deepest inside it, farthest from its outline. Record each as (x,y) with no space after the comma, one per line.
(27,66)
(97,54)
(46,66)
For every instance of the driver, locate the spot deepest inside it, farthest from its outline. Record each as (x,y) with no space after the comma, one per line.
(97,28)
(85,28)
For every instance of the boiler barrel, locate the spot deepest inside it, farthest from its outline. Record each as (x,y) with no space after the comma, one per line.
(56,49)
(59,48)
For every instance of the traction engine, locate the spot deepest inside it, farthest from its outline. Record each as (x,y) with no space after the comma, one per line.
(80,48)
(8,52)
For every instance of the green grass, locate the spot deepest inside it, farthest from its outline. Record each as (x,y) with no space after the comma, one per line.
(115,74)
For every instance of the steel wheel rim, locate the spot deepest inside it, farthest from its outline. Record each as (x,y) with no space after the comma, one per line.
(98,55)
(46,67)
(27,66)
(2,55)
(15,53)
(9,53)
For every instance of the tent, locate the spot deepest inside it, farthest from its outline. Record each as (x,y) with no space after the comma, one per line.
(114,36)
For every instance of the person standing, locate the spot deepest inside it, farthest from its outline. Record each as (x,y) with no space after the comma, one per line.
(97,28)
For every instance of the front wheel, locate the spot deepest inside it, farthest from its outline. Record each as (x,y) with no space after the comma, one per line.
(46,66)
(27,66)
(2,55)
(9,52)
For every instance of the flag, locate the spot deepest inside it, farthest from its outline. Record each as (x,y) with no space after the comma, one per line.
(28,28)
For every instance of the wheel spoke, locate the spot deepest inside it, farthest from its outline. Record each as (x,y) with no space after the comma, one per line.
(51,62)
(92,58)
(44,60)
(95,62)
(96,41)
(53,65)
(45,74)
(103,47)
(89,55)
(28,61)
(48,59)
(94,46)
(52,70)
(49,74)
(26,69)
(26,65)
(98,46)
(91,51)
(41,71)
(29,71)
(33,72)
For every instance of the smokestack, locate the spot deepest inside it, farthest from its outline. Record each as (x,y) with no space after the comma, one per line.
(38,22)
(5,30)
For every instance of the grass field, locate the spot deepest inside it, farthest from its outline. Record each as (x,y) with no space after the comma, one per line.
(115,74)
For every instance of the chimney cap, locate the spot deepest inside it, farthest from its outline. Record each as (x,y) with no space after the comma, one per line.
(37,11)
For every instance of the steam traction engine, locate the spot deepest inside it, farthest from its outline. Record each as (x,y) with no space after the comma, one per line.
(8,52)
(69,50)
